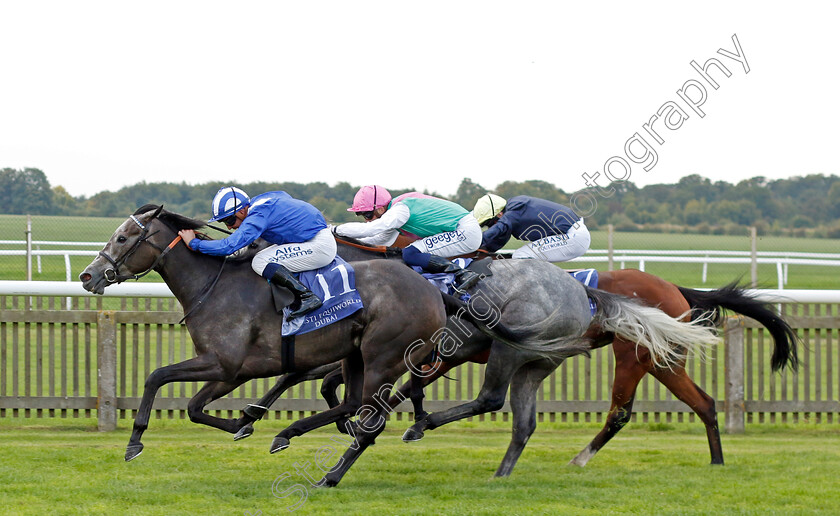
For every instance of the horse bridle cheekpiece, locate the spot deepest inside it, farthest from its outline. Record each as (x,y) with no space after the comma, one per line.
(112,274)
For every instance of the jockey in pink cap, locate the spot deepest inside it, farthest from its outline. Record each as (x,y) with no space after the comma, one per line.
(443,227)
(367,199)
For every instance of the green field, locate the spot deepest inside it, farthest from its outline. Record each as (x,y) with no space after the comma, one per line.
(66,467)
(63,229)
(79,229)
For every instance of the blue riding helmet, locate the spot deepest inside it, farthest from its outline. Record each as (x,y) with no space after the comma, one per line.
(228,200)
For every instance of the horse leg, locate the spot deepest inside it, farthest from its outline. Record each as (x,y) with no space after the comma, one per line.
(329,391)
(678,382)
(503,363)
(523,403)
(210,392)
(329,387)
(365,433)
(416,394)
(628,373)
(201,368)
(408,390)
(414,389)
(254,411)
(352,401)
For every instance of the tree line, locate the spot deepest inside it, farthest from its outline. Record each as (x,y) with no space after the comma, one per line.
(800,206)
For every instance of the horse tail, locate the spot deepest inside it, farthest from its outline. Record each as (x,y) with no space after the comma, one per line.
(528,339)
(668,340)
(710,304)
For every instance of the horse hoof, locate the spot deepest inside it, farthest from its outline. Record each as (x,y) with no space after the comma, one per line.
(325,482)
(132,451)
(411,435)
(244,432)
(279,443)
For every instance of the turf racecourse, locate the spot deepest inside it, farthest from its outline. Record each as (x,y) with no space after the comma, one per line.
(67,467)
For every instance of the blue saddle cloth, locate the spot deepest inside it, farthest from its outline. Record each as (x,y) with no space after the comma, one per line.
(445,281)
(335,285)
(588,277)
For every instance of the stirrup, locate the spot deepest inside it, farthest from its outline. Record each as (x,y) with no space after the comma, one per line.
(308,303)
(470,279)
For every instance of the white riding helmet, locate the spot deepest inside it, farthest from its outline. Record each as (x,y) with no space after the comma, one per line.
(487,207)
(228,200)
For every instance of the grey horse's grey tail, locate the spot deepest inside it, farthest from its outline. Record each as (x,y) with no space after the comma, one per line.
(528,339)
(668,340)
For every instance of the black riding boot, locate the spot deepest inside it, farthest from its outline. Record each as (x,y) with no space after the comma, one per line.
(464,278)
(308,300)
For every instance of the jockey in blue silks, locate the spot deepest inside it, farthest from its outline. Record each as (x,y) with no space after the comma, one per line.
(296,229)
(555,233)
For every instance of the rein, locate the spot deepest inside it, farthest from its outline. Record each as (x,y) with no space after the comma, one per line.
(113,274)
(206,292)
(378,249)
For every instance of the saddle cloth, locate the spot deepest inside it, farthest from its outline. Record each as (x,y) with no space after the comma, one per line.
(444,281)
(335,285)
(588,277)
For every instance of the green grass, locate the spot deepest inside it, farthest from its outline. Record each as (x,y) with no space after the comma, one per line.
(691,275)
(66,467)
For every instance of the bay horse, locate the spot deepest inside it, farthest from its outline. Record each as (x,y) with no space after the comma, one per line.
(236,331)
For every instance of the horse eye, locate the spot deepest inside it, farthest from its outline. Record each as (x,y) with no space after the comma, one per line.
(121,239)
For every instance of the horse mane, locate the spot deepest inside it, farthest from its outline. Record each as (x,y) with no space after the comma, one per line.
(174,220)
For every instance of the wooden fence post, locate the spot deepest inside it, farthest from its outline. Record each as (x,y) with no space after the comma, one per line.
(734,373)
(106,357)
(754,257)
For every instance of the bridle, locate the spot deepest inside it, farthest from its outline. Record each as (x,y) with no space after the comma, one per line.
(112,274)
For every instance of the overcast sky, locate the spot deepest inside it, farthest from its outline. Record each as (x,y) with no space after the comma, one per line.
(100,95)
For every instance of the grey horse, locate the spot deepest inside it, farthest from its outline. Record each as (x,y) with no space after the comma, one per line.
(236,331)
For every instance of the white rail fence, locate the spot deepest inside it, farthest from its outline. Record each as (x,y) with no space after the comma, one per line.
(119,375)
(146,289)
(622,257)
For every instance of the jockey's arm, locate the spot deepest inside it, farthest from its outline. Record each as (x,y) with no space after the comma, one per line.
(386,238)
(497,236)
(250,230)
(391,220)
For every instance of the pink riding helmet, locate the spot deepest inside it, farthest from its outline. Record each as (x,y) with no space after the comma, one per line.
(370,197)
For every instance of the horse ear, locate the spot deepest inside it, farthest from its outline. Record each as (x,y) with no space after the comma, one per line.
(157,212)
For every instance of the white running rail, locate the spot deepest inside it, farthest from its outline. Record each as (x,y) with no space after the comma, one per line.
(148,289)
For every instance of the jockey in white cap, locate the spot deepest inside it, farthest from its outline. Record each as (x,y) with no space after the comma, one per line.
(554,232)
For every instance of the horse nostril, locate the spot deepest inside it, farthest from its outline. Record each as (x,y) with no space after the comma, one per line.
(85,276)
